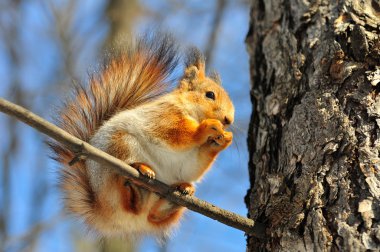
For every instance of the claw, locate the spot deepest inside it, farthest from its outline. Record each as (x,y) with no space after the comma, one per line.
(217,140)
(149,174)
(185,188)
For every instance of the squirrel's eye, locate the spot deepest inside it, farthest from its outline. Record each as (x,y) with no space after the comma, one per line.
(210,94)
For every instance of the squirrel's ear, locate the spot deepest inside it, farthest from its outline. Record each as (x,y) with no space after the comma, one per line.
(215,77)
(195,64)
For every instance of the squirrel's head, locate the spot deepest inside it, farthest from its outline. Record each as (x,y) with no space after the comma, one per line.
(204,95)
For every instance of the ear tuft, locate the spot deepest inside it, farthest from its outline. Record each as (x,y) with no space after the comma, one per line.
(196,59)
(215,77)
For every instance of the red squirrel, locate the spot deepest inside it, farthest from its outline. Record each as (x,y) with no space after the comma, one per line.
(128,110)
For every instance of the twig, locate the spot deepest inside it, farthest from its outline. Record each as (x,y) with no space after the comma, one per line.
(33,232)
(78,146)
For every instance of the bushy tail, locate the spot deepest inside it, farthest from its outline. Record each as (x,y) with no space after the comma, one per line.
(126,80)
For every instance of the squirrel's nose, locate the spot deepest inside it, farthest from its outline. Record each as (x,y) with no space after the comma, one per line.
(227,121)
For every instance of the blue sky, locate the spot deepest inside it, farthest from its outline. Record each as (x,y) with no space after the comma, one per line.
(225,185)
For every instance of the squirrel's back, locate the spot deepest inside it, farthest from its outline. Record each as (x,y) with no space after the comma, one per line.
(128,79)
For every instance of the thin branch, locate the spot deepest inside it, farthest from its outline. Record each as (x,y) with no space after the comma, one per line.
(78,146)
(33,233)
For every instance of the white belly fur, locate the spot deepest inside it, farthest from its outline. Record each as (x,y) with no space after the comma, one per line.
(171,166)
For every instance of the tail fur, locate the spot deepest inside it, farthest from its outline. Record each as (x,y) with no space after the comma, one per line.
(126,80)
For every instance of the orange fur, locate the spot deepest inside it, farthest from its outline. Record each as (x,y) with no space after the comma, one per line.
(131,196)
(209,152)
(181,132)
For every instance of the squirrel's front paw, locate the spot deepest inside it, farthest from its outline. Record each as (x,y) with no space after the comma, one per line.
(185,188)
(214,134)
(144,170)
(222,141)
(210,129)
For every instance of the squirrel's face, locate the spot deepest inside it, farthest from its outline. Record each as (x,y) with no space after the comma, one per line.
(205,96)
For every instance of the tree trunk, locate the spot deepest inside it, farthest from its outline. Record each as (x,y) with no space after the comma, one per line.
(314,137)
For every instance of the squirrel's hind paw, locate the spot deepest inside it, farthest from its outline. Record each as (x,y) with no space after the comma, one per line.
(185,188)
(144,170)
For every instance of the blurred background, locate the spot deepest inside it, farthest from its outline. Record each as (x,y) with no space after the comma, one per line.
(45,46)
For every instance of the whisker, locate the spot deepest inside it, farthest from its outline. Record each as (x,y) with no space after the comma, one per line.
(238,151)
(236,127)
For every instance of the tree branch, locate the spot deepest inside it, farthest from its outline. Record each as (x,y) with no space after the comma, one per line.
(78,146)
(32,234)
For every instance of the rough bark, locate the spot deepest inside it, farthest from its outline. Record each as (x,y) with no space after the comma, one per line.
(314,137)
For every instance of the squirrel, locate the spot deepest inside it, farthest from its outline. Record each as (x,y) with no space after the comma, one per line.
(130,111)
